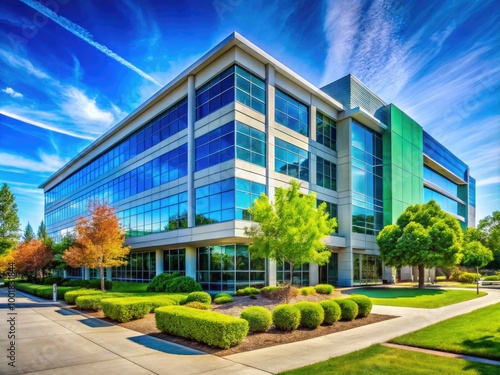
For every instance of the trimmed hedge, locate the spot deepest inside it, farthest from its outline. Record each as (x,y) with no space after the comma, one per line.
(307,291)
(270,291)
(324,288)
(348,307)
(311,314)
(183,284)
(364,305)
(286,317)
(223,299)
(93,301)
(209,327)
(198,305)
(71,296)
(202,297)
(332,311)
(492,278)
(467,277)
(247,291)
(259,318)
(44,291)
(125,309)
(90,284)
(161,282)
(54,280)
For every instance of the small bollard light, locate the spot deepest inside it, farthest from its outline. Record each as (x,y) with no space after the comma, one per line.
(54,292)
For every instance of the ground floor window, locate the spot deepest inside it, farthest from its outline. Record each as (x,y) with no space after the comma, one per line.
(228,267)
(140,267)
(174,261)
(329,273)
(300,274)
(367,269)
(74,273)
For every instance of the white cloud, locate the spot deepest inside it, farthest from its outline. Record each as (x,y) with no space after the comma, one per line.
(83,34)
(45,164)
(25,65)
(12,92)
(82,108)
(489,181)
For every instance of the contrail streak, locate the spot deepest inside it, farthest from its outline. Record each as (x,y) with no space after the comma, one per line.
(83,34)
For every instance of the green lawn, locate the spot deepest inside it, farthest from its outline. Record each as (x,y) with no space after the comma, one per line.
(413,297)
(378,359)
(132,287)
(476,333)
(442,284)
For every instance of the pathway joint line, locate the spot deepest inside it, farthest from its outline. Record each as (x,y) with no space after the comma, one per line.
(442,353)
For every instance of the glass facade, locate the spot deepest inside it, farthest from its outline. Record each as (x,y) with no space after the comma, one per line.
(161,215)
(220,91)
(218,146)
(326,131)
(140,267)
(440,154)
(367,187)
(246,193)
(326,174)
(329,273)
(472,191)
(446,203)
(291,160)
(331,208)
(174,261)
(300,274)
(168,123)
(229,267)
(367,269)
(440,181)
(291,113)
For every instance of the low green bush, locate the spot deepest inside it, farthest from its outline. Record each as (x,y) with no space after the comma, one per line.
(198,305)
(270,291)
(279,293)
(209,327)
(161,282)
(44,291)
(253,296)
(332,311)
(89,284)
(311,314)
(223,299)
(307,291)
(324,288)
(492,278)
(467,277)
(249,290)
(93,301)
(202,297)
(54,280)
(71,296)
(183,284)
(259,318)
(125,309)
(440,278)
(364,305)
(286,317)
(222,294)
(348,307)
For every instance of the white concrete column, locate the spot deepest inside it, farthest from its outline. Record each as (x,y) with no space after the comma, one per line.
(191,261)
(270,93)
(65,273)
(109,273)
(159,262)
(345,267)
(191,118)
(312,122)
(313,274)
(271,272)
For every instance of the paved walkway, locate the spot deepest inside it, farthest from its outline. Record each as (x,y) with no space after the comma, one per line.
(53,340)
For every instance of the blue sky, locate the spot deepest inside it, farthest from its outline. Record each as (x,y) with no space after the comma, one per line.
(70,70)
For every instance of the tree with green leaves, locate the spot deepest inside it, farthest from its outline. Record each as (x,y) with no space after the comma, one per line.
(67,241)
(475,254)
(42,234)
(9,221)
(490,228)
(290,230)
(28,234)
(424,236)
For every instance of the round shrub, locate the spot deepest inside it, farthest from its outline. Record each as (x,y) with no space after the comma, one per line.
(161,282)
(253,296)
(259,318)
(332,311)
(324,288)
(311,314)
(198,305)
(249,290)
(223,299)
(348,307)
(183,284)
(202,297)
(222,294)
(286,317)
(364,305)
(307,291)
(467,277)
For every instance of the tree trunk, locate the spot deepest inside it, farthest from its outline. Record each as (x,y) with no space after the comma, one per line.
(477,279)
(288,291)
(102,279)
(421,276)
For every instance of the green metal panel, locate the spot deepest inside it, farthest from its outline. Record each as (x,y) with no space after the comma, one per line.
(397,150)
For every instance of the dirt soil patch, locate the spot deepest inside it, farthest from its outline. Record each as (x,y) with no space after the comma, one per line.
(252,341)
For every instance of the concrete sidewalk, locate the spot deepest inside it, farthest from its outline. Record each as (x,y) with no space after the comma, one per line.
(53,340)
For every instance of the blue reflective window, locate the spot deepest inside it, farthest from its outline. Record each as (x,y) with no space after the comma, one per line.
(446,203)
(214,147)
(326,174)
(250,90)
(326,131)
(246,194)
(250,144)
(215,202)
(441,181)
(291,160)
(437,152)
(331,209)
(168,123)
(291,113)
(472,191)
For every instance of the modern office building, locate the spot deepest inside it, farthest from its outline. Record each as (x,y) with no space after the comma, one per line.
(183,169)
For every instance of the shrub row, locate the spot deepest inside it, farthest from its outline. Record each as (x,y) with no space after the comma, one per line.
(43,291)
(307,291)
(71,296)
(221,298)
(247,291)
(130,308)
(492,278)
(173,283)
(90,284)
(209,327)
(324,288)
(259,318)
(467,277)
(93,301)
